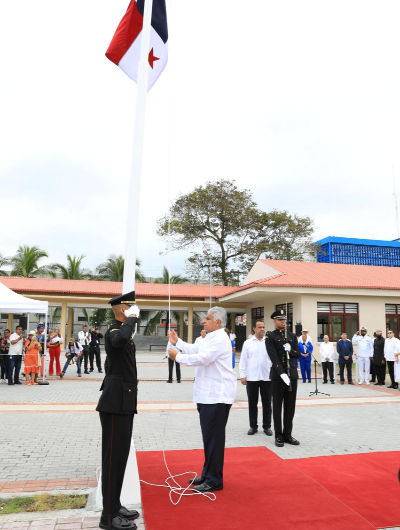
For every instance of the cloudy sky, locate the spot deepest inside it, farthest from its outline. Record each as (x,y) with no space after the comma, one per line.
(298,101)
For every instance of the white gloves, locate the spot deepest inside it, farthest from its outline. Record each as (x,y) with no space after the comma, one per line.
(287,347)
(132,311)
(285,378)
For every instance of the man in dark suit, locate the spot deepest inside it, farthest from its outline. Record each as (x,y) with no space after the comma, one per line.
(378,358)
(117,406)
(344,347)
(283,349)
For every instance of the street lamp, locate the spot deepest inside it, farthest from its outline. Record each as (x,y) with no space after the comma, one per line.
(210,269)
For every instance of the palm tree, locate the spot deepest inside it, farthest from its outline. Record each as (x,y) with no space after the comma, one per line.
(166,279)
(3,261)
(155,320)
(112,270)
(26,262)
(71,271)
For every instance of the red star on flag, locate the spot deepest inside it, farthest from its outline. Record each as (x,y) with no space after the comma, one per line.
(152,58)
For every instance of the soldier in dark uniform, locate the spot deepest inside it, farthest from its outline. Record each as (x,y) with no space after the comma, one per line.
(282,345)
(117,406)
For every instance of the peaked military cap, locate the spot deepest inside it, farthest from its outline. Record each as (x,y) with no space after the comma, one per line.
(279,315)
(128,298)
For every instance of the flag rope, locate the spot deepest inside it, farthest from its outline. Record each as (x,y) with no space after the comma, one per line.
(171,482)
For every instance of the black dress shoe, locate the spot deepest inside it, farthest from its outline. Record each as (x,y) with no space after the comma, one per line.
(342,382)
(205,488)
(292,441)
(391,386)
(351,383)
(268,432)
(92,369)
(17,383)
(279,442)
(179,381)
(10,384)
(196,481)
(251,431)
(100,371)
(86,372)
(332,382)
(169,381)
(128,514)
(118,523)
(377,384)
(324,382)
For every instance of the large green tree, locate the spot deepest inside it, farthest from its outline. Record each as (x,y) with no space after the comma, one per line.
(26,262)
(232,232)
(113,270)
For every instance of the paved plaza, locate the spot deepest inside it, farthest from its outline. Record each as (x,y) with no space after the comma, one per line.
(50,435)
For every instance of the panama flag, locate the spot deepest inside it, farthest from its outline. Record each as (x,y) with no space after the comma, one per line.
(124,49)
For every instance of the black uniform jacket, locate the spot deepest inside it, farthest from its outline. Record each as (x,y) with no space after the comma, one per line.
(274,342)
(120,384)
(379,346)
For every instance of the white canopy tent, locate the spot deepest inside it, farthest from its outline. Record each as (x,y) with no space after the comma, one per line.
(12,302)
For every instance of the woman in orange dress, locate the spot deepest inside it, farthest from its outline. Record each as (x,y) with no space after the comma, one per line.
(32,349)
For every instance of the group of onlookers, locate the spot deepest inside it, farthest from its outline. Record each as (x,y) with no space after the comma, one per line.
(372,356)
(19,351)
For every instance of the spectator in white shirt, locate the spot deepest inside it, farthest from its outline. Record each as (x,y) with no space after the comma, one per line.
(392,346)
(85,339)
(15,356)
(364,354)
(255,367)
(214,392)
(327,351)
(201,337)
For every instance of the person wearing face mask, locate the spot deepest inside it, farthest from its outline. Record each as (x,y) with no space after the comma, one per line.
(365,350)
(378,358)
(117,407)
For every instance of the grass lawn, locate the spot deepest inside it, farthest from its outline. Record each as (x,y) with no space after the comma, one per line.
(42,503)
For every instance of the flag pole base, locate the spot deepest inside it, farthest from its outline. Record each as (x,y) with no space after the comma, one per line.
(43,383)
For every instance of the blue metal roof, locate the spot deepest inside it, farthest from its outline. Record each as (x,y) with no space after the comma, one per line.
(355,241)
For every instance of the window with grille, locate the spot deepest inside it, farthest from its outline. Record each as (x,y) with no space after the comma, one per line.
(257,312)
(334,318)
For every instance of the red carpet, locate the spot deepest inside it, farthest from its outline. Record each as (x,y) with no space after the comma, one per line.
(261,492)
(367,483)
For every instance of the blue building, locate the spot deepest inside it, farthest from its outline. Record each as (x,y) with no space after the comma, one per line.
(359,251)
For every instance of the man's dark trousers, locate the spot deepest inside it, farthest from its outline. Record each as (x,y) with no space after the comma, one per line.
(85,355)
(391,373)
(347,364)
(95,351)
(282,395)
(14,365)
(327,368)
(373,372)
(213,420)
(171,369)
(116,444)
(380,370)
(264,387)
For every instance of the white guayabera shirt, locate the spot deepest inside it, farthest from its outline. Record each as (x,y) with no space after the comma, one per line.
(255,360)
(215,378)
(326,351)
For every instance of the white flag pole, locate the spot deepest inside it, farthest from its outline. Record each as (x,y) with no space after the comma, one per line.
(137,154)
